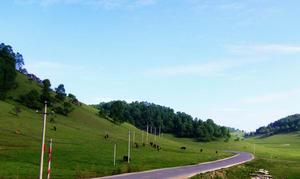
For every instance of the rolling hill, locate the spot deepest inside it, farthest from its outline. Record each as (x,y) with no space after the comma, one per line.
(79,147)
(284,125)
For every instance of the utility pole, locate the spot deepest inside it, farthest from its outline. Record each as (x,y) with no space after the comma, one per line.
(128,147)
(115,153)
(155,134)
(43,142)
(147,137)
(142,137)
(133,137)
(159,131)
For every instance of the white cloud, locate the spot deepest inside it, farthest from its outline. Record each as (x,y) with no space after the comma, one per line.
(50,65)
(267,49)
(106,4)
(273,97)
(194,69)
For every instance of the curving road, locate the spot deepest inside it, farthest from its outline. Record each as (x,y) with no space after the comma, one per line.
(187,171)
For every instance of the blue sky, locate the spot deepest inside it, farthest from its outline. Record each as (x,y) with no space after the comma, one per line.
(236,62)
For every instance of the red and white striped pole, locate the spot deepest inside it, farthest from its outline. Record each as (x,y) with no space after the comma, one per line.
(49,159)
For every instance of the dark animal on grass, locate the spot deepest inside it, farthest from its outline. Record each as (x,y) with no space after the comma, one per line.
(151,143)
(106,136)
(144,144)
(201,150)
(125,158)
(158,148)
(154,145)
(54,128)
(216,152)
(136,145)
(183,148)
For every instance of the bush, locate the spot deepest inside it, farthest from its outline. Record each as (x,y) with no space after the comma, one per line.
(64,109)
(31,99)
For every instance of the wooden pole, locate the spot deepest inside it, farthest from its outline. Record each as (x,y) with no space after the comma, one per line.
(159,131)
(142,137)
(147,137)
(115,153)
(128,147)
(155,134)
(43,142)
(133,137)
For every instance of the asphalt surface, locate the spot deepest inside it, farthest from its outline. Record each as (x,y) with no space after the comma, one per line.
(187,171)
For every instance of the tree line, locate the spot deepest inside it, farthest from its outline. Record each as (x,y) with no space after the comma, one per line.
(10,64)
(284,125)
(166,119)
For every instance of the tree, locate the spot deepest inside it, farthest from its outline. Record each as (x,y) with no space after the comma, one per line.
(180,124)
(60,92)
(31,99)
(19,61)
(116,111)
(7,70)
(64,109)
(73,99)
(46,91)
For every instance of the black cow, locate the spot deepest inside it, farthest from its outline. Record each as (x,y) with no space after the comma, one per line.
(216,152)
(183,148)
(136,145)
(151,143)
(125,158)
(201,150)
(106,136)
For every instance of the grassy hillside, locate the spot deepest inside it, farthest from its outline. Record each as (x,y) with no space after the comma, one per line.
(280,154)
(79,148)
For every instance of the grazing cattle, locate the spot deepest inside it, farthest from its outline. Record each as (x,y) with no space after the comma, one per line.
(125,158)
(136,145)
(154,145)
(201,150)
(158,147)
(183,148)
(151,143)
(106,136)
(216,152)
(144,144)
(54,128)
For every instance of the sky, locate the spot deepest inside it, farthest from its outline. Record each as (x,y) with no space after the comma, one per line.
(236,62)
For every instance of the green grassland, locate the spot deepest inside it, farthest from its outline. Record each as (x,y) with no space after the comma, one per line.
(280,154)
(79,149)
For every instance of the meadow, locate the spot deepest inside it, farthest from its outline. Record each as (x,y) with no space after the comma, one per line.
(279,154)
(79,147)
(80,150)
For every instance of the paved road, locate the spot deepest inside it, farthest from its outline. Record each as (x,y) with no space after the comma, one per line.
(187,171)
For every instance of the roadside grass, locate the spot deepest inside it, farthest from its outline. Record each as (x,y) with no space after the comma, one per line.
(280,154)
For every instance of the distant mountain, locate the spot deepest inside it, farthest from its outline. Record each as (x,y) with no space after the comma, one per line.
(284,125)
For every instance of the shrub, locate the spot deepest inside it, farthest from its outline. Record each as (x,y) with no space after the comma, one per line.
(31,99)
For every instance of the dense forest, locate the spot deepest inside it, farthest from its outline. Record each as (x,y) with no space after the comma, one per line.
(284,125)
(11,63)
(162,119)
